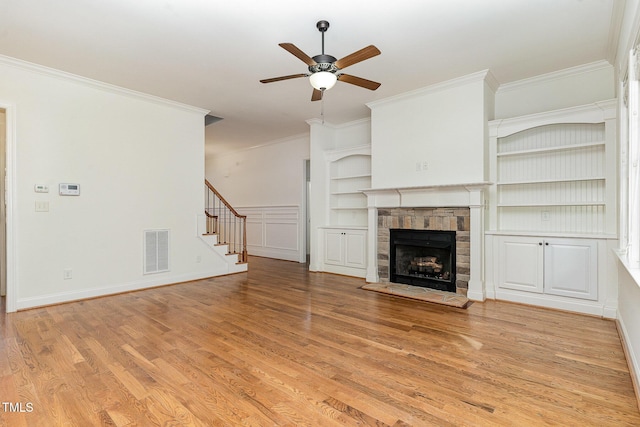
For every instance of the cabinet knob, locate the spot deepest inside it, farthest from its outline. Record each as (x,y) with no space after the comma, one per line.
(546,243)
(540,243)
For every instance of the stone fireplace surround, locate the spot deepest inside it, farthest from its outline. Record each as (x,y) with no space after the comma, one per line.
(435,219)
(458,207)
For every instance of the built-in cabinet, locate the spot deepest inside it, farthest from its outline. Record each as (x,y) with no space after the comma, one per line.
(552,266)
(345,237)
(552,207)
(345,247)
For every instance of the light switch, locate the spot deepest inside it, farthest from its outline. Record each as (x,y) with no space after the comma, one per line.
(42,206)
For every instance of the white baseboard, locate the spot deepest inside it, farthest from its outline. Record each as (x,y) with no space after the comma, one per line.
(62,297)
(276,253)
(593,308)
(632,360)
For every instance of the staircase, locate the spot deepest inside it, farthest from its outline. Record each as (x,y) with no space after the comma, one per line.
(224,230)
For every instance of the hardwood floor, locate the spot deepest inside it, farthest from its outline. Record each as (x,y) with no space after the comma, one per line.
(280,346)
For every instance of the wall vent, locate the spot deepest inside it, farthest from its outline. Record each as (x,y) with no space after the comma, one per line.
(156,251)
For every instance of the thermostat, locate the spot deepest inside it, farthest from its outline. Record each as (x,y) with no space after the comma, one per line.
(69,189)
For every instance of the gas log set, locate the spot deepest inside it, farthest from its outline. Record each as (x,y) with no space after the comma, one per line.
(429,266)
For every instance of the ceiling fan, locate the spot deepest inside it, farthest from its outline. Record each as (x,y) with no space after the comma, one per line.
(325,70)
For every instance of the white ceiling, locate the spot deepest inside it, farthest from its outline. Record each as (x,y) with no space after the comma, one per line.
(212,54)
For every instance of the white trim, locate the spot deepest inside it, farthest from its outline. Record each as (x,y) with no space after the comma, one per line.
(617,18)
(633,166)
(555,75)
(10,200)
(593,308)
(632,359)
(268,218)
(360,150)
(341,126)
(51,72)
(265,144)
(596,112)
(62,297)
(484,75)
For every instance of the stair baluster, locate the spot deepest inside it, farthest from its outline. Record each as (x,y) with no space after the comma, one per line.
(226,222)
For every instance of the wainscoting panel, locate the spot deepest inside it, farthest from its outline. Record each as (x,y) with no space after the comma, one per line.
(274,231)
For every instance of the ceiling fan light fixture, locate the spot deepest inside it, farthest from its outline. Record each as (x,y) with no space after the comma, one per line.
(323,80)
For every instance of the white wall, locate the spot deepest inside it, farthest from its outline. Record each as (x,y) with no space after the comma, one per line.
(433,136)
(629,317)
(268,184)
(140,165)
(268,175)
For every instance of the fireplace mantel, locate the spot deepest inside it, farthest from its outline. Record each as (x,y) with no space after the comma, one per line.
(445,195)
(469,195)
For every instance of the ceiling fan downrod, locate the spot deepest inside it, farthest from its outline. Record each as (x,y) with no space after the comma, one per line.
(323,62)
(322,26)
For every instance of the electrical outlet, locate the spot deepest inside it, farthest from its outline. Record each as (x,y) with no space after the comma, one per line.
(67,273)
(421,166)
(546,216)
(198,259)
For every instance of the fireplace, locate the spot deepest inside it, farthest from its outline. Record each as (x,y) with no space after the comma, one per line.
(423,258)
(455,207)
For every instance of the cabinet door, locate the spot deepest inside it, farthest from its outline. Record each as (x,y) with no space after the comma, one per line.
(355,249)
(521,265)
(571,268)
(334,247)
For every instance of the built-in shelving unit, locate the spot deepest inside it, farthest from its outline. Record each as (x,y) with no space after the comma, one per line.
(554,173)
(552,208)
(349,173)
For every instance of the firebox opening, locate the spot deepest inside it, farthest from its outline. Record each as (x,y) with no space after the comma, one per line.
(423,258)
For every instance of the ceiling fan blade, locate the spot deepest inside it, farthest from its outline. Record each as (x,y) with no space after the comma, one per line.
(292,49)
(359,81)
(277,79)
(316,95)
(364,53)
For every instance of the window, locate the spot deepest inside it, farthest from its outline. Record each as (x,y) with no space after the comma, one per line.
(629,163)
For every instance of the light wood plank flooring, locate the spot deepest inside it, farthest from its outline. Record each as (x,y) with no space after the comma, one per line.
(280,346)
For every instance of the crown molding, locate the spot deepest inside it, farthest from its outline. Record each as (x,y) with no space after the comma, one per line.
(340,126)
(291,138)
(555,75)
(95,84)
(484,75)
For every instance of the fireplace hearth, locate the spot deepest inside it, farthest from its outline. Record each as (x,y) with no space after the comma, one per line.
(423,258)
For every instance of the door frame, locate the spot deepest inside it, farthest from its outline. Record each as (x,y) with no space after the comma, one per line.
(9,177)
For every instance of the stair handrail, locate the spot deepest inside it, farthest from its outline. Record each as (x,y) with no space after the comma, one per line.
(223,228)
